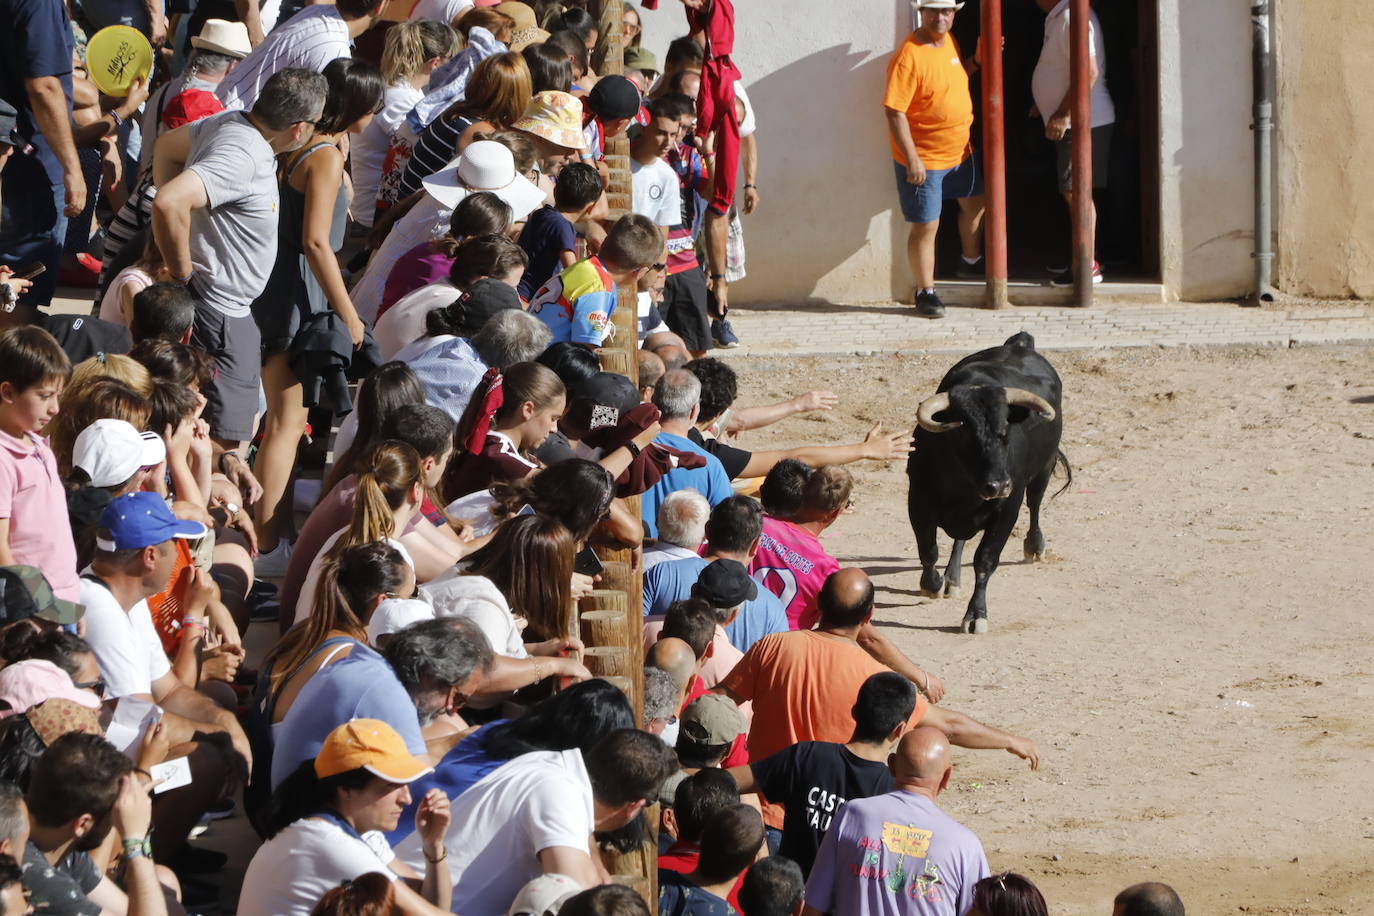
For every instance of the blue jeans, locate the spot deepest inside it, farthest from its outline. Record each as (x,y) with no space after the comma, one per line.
(32,224)
(921,203)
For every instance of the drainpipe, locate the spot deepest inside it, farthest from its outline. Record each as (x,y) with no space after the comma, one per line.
(994,157)
(1261,19)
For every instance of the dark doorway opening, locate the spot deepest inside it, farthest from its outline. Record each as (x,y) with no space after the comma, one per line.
(1038,229)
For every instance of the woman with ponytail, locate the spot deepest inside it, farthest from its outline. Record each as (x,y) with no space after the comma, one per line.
(509,416)
(351,586)
(390,490)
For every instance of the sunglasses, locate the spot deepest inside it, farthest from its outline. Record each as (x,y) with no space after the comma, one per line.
(96,687)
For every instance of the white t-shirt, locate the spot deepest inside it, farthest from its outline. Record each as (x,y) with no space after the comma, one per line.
(404,322)
(500,825)
(426,221)
(308,40)
(478,599)
(476,508)
(1053,72)
(306,602)
(655,192)
(748,124)
(444,11)
(367,151)
(126,646)
(292,871)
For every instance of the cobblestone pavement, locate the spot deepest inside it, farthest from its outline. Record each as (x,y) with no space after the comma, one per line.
(891,327)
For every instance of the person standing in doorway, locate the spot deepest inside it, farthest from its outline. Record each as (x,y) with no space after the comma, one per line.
(1052,88)
(929,116)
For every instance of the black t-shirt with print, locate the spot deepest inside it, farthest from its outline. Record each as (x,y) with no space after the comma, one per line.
(734,460)
(813,780)
(61,889)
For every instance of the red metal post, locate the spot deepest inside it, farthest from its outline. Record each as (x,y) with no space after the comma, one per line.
(994,156)
(1081,126)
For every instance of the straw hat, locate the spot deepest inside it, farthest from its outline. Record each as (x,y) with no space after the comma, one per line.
(223,37)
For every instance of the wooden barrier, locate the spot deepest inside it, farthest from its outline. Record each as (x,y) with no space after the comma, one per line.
(607,661)
(603,628)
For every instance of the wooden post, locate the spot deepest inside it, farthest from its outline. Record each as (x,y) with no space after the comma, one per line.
(603,627)
(622,573)
(1081,134)
(994,157)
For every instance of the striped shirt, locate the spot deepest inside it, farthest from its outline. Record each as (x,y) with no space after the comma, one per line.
(308,40)
(436,148)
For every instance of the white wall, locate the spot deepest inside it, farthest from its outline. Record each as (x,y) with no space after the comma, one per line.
(815,72)
(827,230)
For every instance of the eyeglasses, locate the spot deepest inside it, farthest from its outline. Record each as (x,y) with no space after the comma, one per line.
(658,266)
(96,687)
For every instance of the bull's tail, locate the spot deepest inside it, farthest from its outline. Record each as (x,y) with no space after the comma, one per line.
(1061,459)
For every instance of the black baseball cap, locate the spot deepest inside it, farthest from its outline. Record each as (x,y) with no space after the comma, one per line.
(725,583)
(614,97)
(599,403)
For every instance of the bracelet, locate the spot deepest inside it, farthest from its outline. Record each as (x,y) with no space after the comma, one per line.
(717,276)
(438,860)
(634,450)
(754,186)
(194,623)
(138,846)
(117,119)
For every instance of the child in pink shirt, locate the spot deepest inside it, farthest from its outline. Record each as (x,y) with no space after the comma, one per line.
(791,563)
(34,530)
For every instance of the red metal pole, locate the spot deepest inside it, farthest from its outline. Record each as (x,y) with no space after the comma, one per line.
(994,156)
(1081,125)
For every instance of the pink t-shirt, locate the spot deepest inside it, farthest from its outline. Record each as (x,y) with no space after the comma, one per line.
(792,564)
(420,266)
(35,502)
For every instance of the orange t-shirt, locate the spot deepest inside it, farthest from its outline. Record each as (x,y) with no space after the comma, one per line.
(931,86)
(803,684)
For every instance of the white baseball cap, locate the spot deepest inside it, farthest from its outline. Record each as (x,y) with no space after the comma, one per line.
(544,895)
(112,451)
(485,166)
(395,614)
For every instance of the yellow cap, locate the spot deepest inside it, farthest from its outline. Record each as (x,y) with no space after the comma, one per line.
(371,745)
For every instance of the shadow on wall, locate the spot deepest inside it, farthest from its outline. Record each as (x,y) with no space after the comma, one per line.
(821,126)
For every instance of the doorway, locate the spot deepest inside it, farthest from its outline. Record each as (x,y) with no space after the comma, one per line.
(1038,226)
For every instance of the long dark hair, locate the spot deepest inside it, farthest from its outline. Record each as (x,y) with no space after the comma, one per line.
(384,390)
(530,560)
(1008,894)
(576,492)
(302,794)
(356,88)
(578,717)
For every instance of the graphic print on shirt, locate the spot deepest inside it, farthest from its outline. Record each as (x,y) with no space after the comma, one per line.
(910,845)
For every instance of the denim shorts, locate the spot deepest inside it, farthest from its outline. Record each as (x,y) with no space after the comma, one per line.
(921,203)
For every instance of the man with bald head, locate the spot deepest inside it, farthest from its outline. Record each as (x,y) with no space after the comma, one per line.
(651,369)
(898,854)
(800,683)
(1148,899)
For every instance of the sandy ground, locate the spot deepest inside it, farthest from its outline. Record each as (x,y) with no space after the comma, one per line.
(1193,658)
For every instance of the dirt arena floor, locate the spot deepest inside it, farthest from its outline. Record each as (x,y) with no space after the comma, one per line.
(1194,656)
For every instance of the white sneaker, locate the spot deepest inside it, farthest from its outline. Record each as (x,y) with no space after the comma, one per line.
(272,565)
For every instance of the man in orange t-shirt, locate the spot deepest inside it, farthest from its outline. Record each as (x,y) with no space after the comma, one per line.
(803,684)
(929,112)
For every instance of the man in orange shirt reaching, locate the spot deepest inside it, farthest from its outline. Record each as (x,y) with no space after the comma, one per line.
(929,113)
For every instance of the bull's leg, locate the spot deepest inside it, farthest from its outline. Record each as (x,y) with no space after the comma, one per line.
(985,560)
(956,559)
(1034,545)
(929,550)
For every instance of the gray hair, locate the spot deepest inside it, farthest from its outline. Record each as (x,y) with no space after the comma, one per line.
(509,337)
(676,394)
(682,518)
(289,97)
(207,63)
(660,695)
(447,652)
(13,816)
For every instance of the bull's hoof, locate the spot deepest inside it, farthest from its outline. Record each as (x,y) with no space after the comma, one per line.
(974,625)
(1034,547)
(951,589)
(931,585)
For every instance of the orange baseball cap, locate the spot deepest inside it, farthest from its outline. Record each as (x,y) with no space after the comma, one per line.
(372,745)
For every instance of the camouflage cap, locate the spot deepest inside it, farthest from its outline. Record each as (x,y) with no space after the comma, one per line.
(25,592)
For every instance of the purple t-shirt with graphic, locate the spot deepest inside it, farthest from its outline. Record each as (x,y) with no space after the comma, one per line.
(896,855)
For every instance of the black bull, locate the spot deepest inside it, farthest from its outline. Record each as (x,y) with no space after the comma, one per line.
(986,439)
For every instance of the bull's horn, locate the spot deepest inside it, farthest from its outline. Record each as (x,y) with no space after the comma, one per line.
(925,414)
(1020,397)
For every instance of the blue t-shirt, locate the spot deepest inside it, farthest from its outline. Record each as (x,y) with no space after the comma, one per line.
(679,897)
(672,581)
(547,234)
(710,481)
(462,767)
(361,686)
(36,42)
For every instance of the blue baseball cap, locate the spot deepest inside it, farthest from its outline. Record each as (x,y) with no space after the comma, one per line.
(141,520)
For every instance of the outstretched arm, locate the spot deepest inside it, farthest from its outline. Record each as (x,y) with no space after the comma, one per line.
(877,446)
(882,650)
(746,418)
(966,732)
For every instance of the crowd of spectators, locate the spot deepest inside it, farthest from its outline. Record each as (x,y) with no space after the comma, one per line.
(301,198)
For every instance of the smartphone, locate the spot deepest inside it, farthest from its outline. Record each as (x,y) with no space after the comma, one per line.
(33,271)
(587,563)
(526,509)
